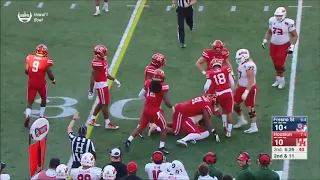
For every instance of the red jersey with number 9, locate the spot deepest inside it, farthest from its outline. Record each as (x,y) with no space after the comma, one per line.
(37,68)
(154,100)
(220,79)
(194,107)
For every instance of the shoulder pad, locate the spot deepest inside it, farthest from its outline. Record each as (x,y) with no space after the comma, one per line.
(225,51)
(272,19)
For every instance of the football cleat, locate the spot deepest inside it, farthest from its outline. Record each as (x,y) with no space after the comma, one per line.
(275,84)
(94,123)
(228,134)
(252,129)
(182,143)
(105,8)
(97,13)
(111,126)
(127,144)
(193,141)
(240,123)
(281,85)
(26,122)
(183,45)
(164,150)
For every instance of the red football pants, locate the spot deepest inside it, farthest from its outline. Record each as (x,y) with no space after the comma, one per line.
(33,89)
(153,115)
(278,54)
(251,98)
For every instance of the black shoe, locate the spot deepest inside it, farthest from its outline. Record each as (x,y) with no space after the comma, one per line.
(127,145)
(164,150)
(182,45)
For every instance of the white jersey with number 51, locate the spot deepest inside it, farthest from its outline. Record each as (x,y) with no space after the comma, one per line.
(281,30)
(242,72)
(93,173)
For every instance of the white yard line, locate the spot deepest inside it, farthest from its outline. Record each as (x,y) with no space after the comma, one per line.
(286,163)
(200,8)
(73,6)
(7,3)
(114,60)
(266,8)
(168,8)
(40,5)
(233,8)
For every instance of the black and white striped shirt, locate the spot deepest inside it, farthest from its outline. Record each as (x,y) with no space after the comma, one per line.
(79,146)
(183,3)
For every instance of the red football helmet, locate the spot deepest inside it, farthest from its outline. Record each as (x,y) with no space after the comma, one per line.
(42,50)
(100,51)
(158,75)
(158,59)
(217,46)
(214,63)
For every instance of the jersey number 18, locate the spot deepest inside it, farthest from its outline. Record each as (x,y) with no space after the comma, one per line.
(219,79)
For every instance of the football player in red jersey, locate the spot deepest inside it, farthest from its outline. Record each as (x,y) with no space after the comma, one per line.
(105,7)
(182,122)
(36,67)
(99,81)
(220,82)
(156,92)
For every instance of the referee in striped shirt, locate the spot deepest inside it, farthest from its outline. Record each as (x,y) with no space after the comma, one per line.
(185,13)
(79,144)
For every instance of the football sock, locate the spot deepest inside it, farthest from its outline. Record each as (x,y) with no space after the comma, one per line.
(203,135)
(138,125)
(130,138)
(281,80)
(278,78)
(107,121)
(229,129)
(241,118)
(92,117)
(97,8)
(253,124)
(191,136)
(42,109)
(161,145)
(28,112)
(224,120)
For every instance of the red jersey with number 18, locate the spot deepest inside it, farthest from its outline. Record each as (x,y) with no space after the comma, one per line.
(37,68)
(220,79)
(194,107)
(153,100)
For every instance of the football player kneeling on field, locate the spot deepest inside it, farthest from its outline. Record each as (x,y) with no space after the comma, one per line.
(175,170)
(109,173)
(62,172)
(87,169)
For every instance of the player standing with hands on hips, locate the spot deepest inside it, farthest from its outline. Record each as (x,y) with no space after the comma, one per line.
(280,29)
(185,13)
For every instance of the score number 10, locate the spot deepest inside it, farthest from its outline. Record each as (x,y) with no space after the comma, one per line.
(280,127)
(278,142)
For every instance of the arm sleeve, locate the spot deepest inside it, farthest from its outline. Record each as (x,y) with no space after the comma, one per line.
(231,81)
(207,85)
(142,94)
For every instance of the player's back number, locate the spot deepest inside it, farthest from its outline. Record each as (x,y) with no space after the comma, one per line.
(220,78)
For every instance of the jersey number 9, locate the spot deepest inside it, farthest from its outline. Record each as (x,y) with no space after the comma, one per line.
(35,66)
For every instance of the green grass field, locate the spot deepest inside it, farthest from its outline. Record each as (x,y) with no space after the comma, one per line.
(71,34)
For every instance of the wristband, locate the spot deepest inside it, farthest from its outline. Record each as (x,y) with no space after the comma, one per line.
(265,40)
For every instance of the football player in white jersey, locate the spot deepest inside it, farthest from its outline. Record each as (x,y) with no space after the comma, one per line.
(246,90)
(62,172)
(87,169)
(279,31)
(157,165)
(175,171)
(109,173)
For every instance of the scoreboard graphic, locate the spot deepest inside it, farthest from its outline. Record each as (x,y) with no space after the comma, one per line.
(289,137)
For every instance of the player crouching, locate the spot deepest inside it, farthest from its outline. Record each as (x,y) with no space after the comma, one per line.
(220,82)
(156,92)
(246,90)
(87,169)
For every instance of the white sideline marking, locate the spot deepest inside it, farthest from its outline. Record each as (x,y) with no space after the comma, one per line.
(298,6)
(168,8)
(7,3)
(286,163)
(200,8)
(73,6)
(114,60)
(40,5)
(133,5)
(266,8)
(233,8)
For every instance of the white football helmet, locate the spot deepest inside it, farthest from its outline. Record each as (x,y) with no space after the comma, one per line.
(177,168)
(242,55)
(109,173)
(62,172)
(87,159)
(280,13)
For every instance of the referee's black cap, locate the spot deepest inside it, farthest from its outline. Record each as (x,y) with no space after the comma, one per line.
(54,162)
(82,130)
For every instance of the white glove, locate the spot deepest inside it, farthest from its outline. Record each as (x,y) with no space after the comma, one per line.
(90,95)
(290,49)
(217,138)
(173,109)
(245,94)
(204,73)
(117,82)
(263,43)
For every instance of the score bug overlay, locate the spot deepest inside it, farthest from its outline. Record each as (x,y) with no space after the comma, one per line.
(289,137)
